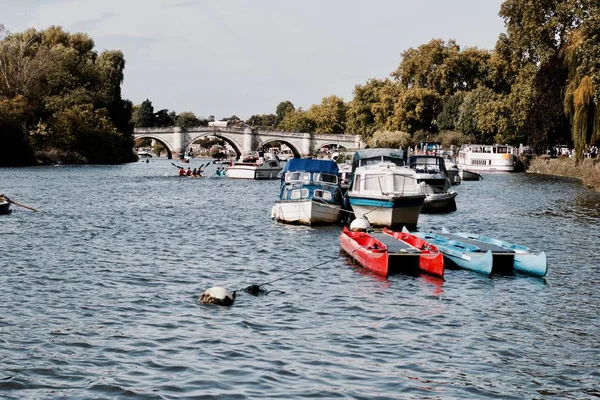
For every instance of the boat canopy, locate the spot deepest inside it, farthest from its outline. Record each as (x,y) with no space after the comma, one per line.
(375,156)
(310,165)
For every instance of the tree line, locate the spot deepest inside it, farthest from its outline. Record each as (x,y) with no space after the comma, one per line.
(540,86)
(61,101)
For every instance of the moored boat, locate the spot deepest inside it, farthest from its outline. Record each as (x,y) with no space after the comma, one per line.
(387,252)
(467,175)
(310,193)
(489,158)
(431,173)
(524,260)
(251,170)
(461,254)
(383,190)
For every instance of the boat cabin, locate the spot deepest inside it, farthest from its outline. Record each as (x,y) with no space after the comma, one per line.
(383,179)
(308,179)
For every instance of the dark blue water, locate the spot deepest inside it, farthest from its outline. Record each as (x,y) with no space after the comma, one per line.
(99,295)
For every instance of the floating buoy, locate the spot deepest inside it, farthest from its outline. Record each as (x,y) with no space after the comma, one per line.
(217,295)
(360,224)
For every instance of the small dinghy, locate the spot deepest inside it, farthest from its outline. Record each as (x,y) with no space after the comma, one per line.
(4,206)
(388,252)
(524,260)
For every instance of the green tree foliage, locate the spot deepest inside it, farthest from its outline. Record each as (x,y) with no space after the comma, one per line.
(163,119)
(297,121)
(447,119)
(392,140)
(187,119)
(14,148)
(360,118)
(471,110)
(263,121)
(58,72)
(416,109)
(145,115)
(282,109)
(329,116)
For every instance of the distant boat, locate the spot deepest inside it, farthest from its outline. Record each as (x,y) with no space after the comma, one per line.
(250,170)
(144,153)
(467,175)
(431,173)
(489,158)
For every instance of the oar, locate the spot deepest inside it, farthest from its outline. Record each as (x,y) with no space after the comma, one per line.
(176,165)
(19,204)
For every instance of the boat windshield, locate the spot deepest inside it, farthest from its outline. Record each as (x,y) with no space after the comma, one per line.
(325,178)
(402,182)
(375,183)
(297,177)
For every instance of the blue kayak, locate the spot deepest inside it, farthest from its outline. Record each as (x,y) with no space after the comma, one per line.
(525,261)
(464,255)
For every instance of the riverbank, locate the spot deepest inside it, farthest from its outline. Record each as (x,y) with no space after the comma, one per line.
(588,172)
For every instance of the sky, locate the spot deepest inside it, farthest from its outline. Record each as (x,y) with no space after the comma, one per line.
(243,57)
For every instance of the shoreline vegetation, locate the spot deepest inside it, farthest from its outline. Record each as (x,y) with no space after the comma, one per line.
(60,100)
(588,171)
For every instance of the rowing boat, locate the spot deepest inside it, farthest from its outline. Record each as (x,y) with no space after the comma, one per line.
(524,260)
(463,255)
(388,252)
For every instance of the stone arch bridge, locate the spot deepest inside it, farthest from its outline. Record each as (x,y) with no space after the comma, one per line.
(245,140)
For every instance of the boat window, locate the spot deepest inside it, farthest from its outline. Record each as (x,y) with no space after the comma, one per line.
(297,177)
(323,194)
(273,164)
(356,186)
(299,194)
(402,182)
(325,178)
(375,182)
(502,149)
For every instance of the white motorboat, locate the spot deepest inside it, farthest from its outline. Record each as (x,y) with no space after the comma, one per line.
(386,195)
(452,170)
(310,193)
(253,170)
(467,175)
(431,174)
(487,158)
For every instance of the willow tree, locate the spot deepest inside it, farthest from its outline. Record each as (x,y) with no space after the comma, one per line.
(582,93)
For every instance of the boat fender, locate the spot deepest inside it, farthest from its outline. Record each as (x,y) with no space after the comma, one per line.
(360,224)
(217,295)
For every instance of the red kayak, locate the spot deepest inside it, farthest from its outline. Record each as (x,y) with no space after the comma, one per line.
(390,252)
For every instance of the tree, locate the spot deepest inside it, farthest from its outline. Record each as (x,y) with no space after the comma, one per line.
(468,122)
(297,121)
(360,118)
(163,119)
(392,140)
(282,109)
(447,119)
(416,109)
(187,119)
(145,115)
(263,120)
(329,116)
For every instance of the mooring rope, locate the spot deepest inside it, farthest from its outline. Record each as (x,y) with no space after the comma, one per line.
(257,289)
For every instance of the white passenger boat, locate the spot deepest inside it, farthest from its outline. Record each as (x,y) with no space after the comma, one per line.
(431,174)
(310,193)
(251,170)
(386,194)
(488,158)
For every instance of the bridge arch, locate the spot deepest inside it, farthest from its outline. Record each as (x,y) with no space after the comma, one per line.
(294,148)
(332,144)
(236,147)
(159,140)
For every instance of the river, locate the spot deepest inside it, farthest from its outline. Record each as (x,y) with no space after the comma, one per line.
(99,295)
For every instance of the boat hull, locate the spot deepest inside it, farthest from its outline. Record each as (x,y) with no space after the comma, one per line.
(394,212)
(387,253)
(523,261)
(306,212)
(440,202)
(4,207)
(467,175)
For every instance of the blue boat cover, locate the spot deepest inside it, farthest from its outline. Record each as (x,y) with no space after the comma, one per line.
(310,165)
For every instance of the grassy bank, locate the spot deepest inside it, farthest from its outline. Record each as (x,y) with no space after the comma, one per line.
(588,172)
